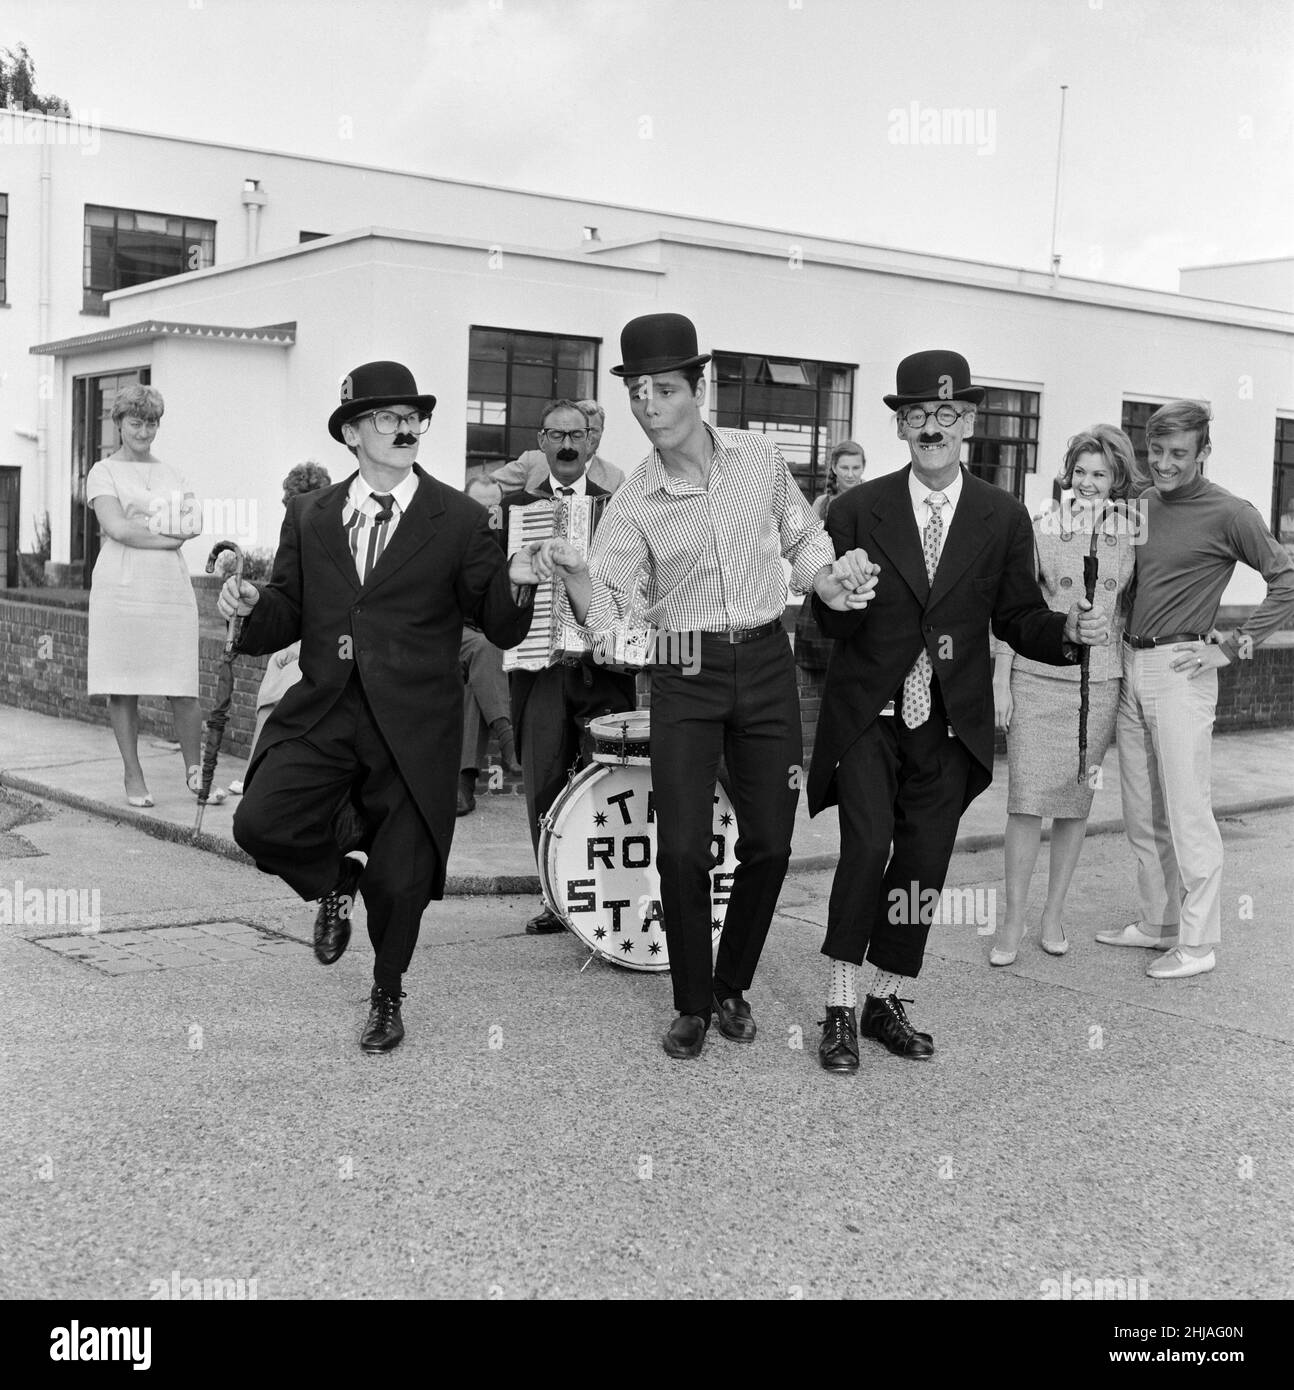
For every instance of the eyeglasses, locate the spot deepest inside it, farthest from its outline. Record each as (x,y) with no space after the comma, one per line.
(915,416)
(142,420)
(556,436)
(388,422)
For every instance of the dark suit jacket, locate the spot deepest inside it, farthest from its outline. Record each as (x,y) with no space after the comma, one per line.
(401,631)
(986,576)
(520,683)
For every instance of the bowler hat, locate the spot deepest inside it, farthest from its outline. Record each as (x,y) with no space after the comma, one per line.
(936,375)
(372,386)
(658,343)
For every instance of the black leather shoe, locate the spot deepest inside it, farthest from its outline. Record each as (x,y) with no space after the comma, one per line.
(885,1020)
(466,794)
(384,1030)
(546,923)
(332,921)
(838,1050)
(734,1018)
(686,1036)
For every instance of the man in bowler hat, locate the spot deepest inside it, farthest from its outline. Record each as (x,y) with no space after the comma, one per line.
(375,577)
(905,733)
(707,517)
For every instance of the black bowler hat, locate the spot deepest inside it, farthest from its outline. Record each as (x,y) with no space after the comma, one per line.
(937,375)
(658,343)
(372,386)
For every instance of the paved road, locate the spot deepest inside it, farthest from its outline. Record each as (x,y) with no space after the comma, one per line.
(207,1113)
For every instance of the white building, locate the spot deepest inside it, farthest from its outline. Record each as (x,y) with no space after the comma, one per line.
(294,270)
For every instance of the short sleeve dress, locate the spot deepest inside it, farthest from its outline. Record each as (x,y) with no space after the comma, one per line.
(1042,743)
(143,616)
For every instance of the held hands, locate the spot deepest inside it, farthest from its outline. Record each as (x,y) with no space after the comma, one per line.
(556,557)
(235,600)
(1087,625)
(849,584)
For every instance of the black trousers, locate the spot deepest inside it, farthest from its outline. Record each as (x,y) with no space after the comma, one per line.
(906,789)
(739,702)
(552,726)
(288,821)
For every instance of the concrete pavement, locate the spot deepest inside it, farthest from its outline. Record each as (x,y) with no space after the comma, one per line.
(77,764)
(216,1120)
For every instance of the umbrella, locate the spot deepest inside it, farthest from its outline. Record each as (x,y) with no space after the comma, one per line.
(1090,567)
(219,715)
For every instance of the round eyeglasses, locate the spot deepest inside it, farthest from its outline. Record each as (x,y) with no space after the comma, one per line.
(388,422)
(915,416)
(556,436)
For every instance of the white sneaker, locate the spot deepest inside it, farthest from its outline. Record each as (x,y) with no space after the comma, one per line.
(1132,935)
(1177,965)
(236,788)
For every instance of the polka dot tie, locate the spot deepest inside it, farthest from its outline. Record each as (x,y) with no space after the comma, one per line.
(916,687)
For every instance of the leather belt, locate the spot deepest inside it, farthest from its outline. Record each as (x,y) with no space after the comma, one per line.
(1142,643)
(734,636)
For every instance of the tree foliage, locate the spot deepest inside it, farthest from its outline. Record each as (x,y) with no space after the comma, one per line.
(18,85)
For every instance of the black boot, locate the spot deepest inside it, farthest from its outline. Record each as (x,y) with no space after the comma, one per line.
(384,1028)
(466,792)
(838,1050)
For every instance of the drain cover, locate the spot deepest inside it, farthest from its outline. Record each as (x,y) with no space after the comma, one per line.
(169,948)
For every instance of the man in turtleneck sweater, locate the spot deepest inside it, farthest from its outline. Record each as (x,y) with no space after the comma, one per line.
(1195,532)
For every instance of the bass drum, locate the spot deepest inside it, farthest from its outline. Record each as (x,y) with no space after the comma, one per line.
(597,864)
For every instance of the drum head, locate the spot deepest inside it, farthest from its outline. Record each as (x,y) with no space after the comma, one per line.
(597,864)
(622,738)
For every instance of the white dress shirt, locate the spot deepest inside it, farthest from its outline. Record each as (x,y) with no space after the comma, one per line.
(921,509)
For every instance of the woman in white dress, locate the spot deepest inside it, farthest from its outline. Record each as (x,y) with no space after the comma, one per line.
(143,636)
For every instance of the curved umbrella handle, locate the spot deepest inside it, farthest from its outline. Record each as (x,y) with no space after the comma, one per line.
(235,623)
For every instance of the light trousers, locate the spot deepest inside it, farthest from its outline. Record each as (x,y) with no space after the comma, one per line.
(1165,732)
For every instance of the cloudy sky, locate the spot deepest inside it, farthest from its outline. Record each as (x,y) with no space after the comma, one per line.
(930,124)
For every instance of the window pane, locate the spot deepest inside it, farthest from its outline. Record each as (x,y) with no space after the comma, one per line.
(487,378)
(488,343)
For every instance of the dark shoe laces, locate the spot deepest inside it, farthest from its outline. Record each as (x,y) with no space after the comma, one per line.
(894,1008)
(386,1005)
(837,1025)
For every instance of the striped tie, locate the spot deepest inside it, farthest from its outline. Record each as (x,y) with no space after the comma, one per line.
(377,532)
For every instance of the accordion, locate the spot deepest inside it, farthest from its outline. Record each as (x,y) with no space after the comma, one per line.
(553,637)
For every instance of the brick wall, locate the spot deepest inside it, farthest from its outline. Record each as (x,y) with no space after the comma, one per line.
(1253,694)
(43,663)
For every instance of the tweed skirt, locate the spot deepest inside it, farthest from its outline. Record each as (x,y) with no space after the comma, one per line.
(1042,744)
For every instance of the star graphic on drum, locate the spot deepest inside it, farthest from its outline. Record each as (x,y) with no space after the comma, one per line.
(599,932)
(600,818)
(716,923)
(626,946)
(725,819)
(653,948)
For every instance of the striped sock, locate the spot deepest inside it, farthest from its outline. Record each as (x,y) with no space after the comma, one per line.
(886,982)
(841,993)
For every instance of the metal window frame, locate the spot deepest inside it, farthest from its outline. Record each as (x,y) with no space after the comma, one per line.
(479,459)
(816,390)
(92,297)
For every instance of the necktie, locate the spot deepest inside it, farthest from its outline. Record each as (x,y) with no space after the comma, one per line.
(566,491)
(916,686)
(377,531)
